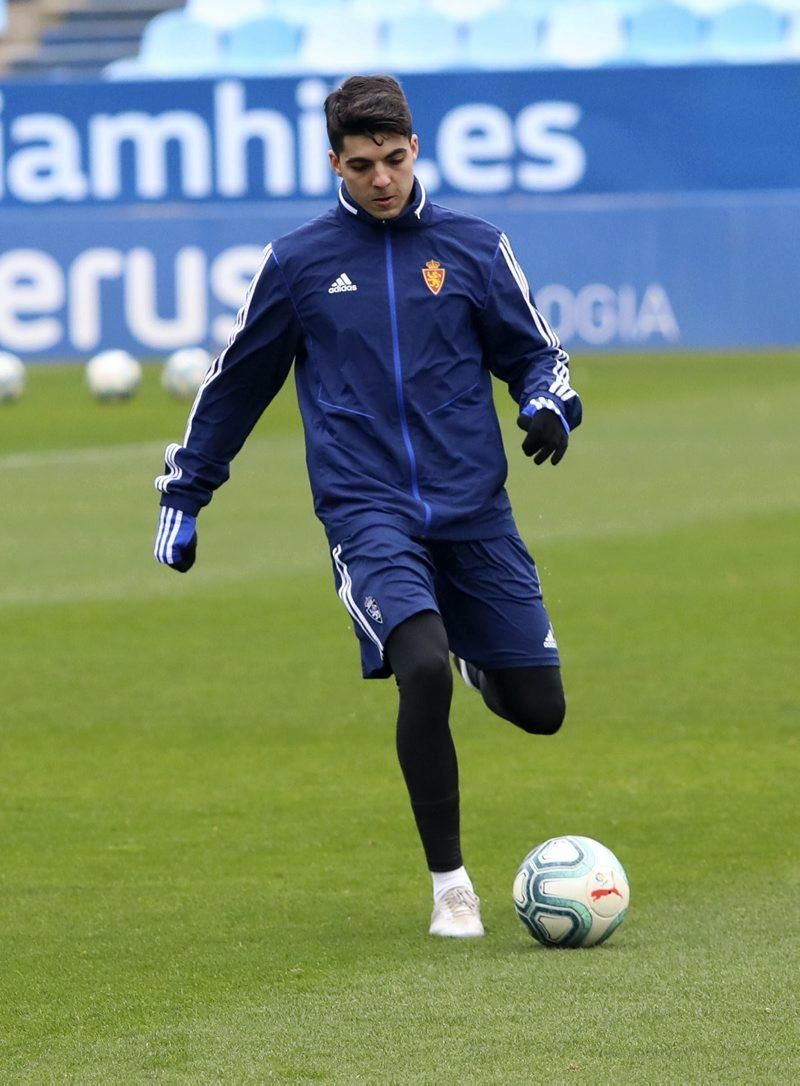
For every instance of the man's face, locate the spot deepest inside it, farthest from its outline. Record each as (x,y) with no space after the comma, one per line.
(378,172)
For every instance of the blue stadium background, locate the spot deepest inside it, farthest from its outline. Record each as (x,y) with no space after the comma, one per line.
(653,198)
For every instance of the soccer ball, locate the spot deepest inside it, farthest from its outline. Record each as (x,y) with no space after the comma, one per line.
(571,891)
(12,377)
(113,375)
(184,371)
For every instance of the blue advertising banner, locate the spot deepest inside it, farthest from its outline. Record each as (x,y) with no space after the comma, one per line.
(626,130)
(650,208)
(654,273)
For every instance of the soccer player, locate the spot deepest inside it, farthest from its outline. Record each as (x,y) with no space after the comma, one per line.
(396,313)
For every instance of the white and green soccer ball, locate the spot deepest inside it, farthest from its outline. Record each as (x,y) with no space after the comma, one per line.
(184,371)
(113,375)
(571,892)
(12,377)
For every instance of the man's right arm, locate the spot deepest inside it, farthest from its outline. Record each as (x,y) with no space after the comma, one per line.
(239,385)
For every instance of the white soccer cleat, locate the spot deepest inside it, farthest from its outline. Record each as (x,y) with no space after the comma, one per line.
(457,914)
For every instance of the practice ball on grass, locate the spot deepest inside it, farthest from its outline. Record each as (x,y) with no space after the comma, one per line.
(12,377)
(184,371)
(113,375)
(571,892)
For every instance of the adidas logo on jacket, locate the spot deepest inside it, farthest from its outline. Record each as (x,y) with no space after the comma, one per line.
(343,282)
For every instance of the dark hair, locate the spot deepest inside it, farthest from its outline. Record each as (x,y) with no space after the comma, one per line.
(366,105)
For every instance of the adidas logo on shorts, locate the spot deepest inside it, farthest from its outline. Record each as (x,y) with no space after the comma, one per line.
(550,641)
(341,283)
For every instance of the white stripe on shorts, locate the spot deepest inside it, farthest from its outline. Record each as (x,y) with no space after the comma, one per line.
(346,596)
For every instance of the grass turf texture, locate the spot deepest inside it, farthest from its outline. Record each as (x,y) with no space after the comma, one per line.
(209,871)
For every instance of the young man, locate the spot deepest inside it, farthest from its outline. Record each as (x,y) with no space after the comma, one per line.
(396,313)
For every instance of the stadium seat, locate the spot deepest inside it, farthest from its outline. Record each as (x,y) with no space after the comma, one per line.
(746,32)
(125,68)
(306,12)
(582,35)
(369,9)
(423,42)
(791,40)
(175,45)
(224,14)
(464,11)
(530,9)
(627,8)
(664,34)
(501,39)
(261,47)
(333,45)
(706,8)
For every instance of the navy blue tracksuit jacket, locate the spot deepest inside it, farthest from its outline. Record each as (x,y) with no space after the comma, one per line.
(395,328)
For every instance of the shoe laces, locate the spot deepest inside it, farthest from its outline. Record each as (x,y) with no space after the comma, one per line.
(460,901)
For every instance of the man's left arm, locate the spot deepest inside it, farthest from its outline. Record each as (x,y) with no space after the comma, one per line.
(524,351)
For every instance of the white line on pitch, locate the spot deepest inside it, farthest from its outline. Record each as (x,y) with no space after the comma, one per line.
(92,455)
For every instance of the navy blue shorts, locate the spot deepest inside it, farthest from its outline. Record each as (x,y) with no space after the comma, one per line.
(487,592)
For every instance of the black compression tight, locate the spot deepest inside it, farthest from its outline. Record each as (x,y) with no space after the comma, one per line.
(417,651)
(530,697)
(418,654)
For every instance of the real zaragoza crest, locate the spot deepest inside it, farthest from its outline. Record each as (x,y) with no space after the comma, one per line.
(433,273)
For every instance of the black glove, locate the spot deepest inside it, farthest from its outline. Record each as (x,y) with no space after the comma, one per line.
(546,437)
(186,561)
(176,539)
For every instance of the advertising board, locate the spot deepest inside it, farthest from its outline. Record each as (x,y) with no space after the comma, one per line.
(650,208)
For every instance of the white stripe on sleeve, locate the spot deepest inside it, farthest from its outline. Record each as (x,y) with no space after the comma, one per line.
(542,327)
(560,386)
(175,472)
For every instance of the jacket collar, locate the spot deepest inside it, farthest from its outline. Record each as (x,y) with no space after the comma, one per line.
(411,217)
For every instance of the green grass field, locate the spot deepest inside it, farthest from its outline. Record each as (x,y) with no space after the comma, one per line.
(208,868)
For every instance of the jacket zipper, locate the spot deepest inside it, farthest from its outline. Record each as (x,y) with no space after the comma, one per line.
(398,382)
